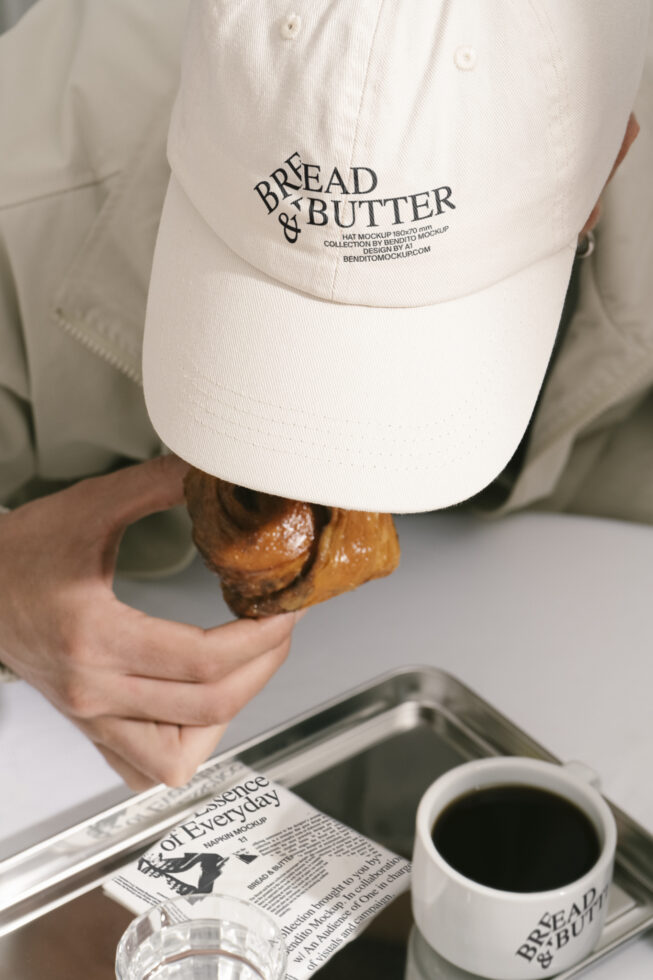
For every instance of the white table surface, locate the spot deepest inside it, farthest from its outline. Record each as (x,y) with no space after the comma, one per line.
(547,617)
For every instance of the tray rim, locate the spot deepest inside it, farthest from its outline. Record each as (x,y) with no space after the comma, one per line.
(285,727)
(407,679)
(380,681)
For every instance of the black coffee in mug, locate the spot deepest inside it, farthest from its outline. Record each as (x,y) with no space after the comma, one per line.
(516,838)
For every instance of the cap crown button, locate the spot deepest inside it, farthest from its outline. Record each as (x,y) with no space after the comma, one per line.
(290,26)
(465,57)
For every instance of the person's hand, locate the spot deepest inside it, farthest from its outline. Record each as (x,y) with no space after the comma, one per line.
(631,134)
(153,695)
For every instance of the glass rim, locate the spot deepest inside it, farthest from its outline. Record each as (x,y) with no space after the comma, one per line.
(183,903)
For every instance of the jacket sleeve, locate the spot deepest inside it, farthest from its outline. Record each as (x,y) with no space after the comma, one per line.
(16,441)
(17,458)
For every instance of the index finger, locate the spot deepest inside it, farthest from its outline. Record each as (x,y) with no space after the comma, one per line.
(167,650)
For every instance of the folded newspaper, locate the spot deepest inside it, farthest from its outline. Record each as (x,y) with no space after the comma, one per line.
(257,840)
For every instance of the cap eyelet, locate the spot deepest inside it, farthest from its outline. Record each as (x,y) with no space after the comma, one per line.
(465,57)
(290,26)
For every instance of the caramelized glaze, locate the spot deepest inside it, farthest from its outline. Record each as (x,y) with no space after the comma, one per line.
(277,555)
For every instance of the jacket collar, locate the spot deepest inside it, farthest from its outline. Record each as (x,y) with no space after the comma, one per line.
(102,299)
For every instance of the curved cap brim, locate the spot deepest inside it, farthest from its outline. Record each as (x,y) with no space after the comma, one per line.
(369,408)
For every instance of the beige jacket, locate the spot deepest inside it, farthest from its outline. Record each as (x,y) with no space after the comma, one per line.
(86,88)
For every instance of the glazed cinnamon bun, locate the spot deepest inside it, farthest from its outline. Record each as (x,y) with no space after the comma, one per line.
(277,555)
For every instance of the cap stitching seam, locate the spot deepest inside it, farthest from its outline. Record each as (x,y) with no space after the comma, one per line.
(336,266)
(563,91)
(202,421)
(304,412)
(287,423)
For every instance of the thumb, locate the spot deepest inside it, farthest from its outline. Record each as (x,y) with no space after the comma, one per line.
(127,494)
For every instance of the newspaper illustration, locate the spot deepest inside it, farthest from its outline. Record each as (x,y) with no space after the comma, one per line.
(258,841)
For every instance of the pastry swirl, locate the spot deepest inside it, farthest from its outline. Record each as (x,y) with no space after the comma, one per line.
(278,555)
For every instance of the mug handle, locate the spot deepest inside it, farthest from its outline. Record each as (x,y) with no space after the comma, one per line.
(584,773)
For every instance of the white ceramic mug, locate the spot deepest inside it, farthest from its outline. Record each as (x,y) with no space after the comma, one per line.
(506,935)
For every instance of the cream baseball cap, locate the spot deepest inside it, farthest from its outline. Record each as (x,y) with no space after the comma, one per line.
(369,231)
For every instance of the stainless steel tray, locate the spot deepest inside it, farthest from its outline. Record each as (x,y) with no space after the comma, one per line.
(365,759)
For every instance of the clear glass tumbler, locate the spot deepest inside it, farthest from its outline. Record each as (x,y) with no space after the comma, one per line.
(214,937)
